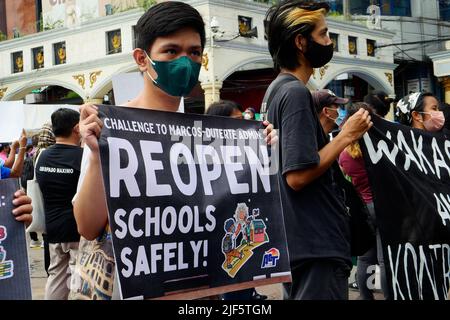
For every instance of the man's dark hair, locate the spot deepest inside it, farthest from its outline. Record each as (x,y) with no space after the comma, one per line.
(63,121)
(223,108)
(354,107)
(380,101)
(281,37)
(420,105)
(166,18)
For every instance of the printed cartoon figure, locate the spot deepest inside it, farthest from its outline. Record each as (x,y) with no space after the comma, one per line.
(252,230)
(229,243)
(241,216)
(252,234)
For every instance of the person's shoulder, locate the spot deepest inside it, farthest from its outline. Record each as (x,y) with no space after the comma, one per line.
(343,155)
(49,149)
(297,88)
(44,152)
(293,89)
(79,151)
(295,96)
(73,152)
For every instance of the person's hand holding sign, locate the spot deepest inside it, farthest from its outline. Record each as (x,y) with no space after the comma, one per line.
(356,126)
(270,133)
(90,126)
(91,215)
(22,212)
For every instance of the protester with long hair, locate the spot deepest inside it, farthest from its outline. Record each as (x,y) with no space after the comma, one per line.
(317,226)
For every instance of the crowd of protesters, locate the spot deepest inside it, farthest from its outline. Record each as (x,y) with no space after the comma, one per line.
(300,122)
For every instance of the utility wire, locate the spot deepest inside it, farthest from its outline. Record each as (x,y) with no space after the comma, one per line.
(403,51)
(226,40)
(413,42)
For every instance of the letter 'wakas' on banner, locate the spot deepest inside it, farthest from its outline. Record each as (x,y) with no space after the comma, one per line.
(409,172)
(14,271)
(193,201)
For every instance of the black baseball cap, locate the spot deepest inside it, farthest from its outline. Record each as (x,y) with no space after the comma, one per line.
(324,97)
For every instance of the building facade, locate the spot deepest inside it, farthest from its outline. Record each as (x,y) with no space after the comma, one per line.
(421,28)
(83,55)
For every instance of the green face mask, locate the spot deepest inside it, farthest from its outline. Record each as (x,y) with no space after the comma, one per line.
(177,77)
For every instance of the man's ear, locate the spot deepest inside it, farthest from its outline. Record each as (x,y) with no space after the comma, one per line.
(141,59)
(300,42)
(76,129)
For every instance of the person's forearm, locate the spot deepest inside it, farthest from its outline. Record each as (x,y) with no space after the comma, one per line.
(297,180)
(9,162)
(17,168)
(90,204)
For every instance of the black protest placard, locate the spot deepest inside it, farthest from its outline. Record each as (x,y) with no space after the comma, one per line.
(193,203)
(409,173)
(14,272)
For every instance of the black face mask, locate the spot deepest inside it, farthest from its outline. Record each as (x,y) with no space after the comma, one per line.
(317,54)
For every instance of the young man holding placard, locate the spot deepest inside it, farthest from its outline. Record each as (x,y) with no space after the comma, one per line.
(170,42)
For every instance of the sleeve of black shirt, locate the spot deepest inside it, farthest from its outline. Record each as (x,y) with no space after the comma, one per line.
(299,129)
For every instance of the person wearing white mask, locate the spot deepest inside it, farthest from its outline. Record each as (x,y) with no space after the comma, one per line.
(421,111)
(249,114)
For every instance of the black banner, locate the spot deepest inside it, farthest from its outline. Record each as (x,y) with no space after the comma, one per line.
(14,271)
(409,172)
(193,203)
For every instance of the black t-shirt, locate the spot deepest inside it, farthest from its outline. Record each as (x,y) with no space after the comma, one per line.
(57,172)
(317,223)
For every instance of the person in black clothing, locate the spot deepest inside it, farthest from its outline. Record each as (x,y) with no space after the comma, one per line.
(57,172)
(316,219)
